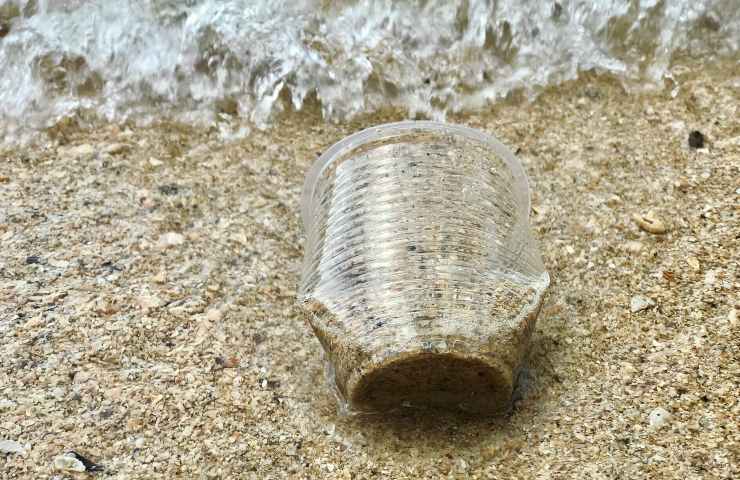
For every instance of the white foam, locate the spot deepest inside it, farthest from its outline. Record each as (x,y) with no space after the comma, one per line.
(148,59)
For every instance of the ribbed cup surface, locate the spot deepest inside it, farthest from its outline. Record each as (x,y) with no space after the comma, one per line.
(418,251)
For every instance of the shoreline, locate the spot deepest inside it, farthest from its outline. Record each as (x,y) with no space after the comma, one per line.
(148,318)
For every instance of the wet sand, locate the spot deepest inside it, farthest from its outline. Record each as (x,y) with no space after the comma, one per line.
(148,322)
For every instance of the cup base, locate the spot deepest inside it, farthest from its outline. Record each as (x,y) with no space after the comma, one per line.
(471,374)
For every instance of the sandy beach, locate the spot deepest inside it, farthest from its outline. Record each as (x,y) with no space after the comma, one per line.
(148,319)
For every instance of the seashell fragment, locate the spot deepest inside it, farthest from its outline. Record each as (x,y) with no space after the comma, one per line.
(68,463)
(650,223)
(11,446)
(659,417)
(639,303)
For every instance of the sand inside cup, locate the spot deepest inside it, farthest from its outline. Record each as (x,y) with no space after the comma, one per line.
(421,280)
(473,370)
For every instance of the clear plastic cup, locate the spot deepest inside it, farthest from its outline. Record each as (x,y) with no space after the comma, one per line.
(421,278)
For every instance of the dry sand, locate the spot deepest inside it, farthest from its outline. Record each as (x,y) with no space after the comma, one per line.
(148,277)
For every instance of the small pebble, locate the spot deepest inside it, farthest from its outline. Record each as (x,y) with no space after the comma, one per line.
(81,151)
(11,446)
(214,315)
(87,464)
(155,162)
(613,201)
(228,362)
(68,463)
(696,139)
(4,179)
(710,278)
(650,223)
(639,303)
(6,404)
(682,184)
(161,277)
(58,393)
(147,302)
(693,263)
(171,239)
(117,148)
(633,246)
(169,189)
(659,417)
(148,203)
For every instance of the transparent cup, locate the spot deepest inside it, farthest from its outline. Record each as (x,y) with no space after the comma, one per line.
(421,278)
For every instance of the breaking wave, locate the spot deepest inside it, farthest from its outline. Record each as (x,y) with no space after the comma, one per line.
(192,60)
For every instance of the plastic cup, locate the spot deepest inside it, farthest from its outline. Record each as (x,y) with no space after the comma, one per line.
(421,278)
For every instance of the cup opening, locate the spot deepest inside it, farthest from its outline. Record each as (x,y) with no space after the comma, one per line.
(446,381)
(390,130)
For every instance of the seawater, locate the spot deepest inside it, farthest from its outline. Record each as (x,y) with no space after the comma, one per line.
(193,60)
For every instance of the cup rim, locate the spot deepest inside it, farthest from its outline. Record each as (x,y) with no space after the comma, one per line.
(390,130)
